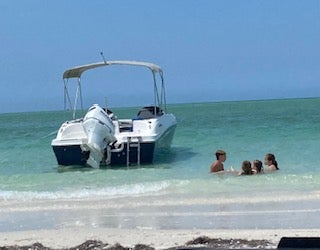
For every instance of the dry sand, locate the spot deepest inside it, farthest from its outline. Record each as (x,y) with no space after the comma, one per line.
(158,239)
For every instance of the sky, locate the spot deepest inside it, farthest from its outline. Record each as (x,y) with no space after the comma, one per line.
(209,50)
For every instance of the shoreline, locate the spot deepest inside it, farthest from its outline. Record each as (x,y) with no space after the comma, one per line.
(163,213)
(160,222)
(158,239)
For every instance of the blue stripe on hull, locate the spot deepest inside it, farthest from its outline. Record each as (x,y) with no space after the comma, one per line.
(70,155)
(146,154)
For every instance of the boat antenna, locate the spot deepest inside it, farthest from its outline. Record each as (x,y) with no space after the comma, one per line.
(101,53)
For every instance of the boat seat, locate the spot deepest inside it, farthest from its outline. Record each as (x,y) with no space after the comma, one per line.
(149,112)
(145,114)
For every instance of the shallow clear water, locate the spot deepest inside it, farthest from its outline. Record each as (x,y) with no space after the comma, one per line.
(247,130)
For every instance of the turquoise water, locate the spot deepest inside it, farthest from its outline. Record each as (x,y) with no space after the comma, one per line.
(247,130)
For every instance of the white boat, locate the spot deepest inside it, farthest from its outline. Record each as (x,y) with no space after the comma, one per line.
(100,138)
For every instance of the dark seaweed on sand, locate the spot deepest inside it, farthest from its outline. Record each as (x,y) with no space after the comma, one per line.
(203,241)
(230,243)
(88,245)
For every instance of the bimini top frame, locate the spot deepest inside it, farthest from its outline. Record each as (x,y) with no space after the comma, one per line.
(76,72)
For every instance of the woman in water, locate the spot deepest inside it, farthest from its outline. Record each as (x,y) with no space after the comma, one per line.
(270,161)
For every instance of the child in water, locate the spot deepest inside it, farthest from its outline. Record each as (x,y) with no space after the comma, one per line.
(257,167)
(217,166)
(246,168)
(270,161)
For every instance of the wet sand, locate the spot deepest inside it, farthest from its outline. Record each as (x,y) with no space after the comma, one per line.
(158,222)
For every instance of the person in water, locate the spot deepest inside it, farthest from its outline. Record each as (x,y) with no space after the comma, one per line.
(270,161)
(257,167)
(246,168)
(217,166)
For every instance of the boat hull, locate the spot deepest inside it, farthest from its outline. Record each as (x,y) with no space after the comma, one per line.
(74,155)
(70,155)
(100,138)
